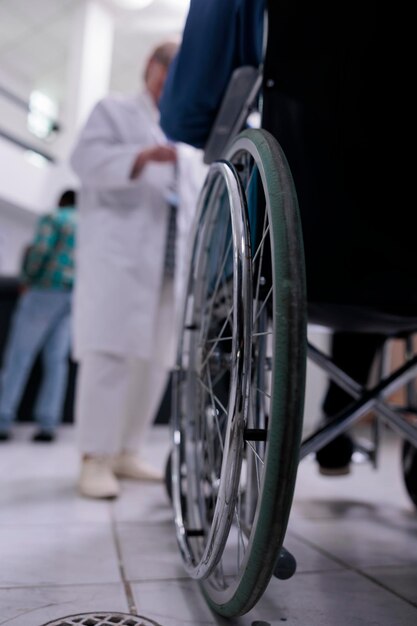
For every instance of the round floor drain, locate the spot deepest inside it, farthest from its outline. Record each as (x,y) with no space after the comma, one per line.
(103,619)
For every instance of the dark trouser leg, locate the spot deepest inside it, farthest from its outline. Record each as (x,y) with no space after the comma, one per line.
(354,353)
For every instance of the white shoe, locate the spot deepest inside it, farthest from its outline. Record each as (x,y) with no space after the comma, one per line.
(97,479)
(127,465)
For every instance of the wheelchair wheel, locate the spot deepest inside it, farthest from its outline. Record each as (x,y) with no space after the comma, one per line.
(239,385)
(409,466)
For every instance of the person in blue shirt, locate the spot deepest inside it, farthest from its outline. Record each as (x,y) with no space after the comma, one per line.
(41,322)
(219,36)
(335,94)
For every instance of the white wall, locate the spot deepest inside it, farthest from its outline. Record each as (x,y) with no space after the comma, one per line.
(26,192)
(22,183)
(29,186)
(16,230)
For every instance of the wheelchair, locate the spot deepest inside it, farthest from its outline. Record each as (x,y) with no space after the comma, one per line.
(239,383)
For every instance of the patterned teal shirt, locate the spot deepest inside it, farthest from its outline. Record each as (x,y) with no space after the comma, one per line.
(49,261)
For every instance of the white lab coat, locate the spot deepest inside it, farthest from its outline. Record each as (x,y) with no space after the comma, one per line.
(122,228)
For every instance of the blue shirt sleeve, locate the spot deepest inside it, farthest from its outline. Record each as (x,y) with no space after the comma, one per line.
(219,36)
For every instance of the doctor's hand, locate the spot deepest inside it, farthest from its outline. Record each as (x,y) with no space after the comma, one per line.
(158,154)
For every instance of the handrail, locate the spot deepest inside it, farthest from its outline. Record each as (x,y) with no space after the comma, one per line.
(24,104)
(26,145)
(6,93)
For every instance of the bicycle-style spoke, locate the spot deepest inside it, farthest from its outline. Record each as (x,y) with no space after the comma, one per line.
(211,351)
(215,398)
(219,339)
(263,334)
(231,444)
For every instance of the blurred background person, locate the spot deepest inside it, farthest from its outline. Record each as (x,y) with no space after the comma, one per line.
(41,322)
(124,336)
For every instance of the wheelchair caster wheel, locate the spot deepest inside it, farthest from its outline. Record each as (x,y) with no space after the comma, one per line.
(285,566)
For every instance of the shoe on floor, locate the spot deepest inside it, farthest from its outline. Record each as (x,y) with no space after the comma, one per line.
(127,465)
(97,479)
(334,458)
(44,436)
(5,435)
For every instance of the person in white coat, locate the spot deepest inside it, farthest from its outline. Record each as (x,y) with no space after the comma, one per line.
(124,335)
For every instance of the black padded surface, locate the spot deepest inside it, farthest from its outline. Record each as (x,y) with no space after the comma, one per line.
(361,319)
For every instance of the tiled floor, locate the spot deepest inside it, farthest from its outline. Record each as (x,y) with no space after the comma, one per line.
(355,540)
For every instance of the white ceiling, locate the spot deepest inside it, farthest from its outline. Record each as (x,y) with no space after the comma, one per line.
(35,39)
(35,36)
(136,33)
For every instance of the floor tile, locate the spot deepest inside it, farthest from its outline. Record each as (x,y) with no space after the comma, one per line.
(309,558)
(48,501)
(142,502)
(329,599)
(182,604)
(150,551)
(359,543)
(354,538)
(50,555)
(401,580)
(28,606)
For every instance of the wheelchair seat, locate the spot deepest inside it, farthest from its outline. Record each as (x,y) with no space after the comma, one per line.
(361,319)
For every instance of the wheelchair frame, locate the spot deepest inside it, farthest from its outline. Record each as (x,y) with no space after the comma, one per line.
(238,396)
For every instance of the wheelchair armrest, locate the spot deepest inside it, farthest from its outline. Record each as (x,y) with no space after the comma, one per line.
(234,110)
